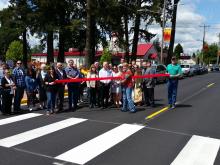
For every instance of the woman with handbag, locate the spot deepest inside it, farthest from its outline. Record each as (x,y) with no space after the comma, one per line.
(8,92)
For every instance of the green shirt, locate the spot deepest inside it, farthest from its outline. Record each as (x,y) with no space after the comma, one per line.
(174,69)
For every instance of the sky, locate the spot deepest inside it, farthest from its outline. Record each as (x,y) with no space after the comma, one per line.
(192,14)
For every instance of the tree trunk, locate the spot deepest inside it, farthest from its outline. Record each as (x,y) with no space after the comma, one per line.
(25,56)
(50,53)
(61,54)
(127,57)
(136,32)
(90,36)
(173,31)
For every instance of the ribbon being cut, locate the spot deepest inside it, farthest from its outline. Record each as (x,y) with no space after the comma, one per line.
(111,78)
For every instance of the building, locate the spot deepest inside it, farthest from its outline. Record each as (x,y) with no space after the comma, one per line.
(186,59)
(144,51)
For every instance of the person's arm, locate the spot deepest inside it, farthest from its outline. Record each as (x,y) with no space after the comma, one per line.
(88,82)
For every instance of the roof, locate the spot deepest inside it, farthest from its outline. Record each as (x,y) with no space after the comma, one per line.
(142,49)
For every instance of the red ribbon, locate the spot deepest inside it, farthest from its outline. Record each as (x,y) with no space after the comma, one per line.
(110,78)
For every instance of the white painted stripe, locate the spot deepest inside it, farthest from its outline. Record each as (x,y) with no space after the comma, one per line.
(89,150)
(199,150)
(38,132)
(18,118)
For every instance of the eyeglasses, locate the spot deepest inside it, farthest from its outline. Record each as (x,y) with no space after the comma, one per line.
(18,62)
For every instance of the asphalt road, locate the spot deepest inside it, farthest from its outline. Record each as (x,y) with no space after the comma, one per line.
(186,135)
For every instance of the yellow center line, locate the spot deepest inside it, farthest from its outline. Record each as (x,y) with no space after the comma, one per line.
(208,86)
(157,113)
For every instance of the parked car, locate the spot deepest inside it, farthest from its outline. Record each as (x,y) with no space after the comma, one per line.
(188,70)
(215,67)
(160,69)
(196,69)
(203,69)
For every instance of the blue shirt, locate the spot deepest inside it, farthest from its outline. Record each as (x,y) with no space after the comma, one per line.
(19,77)
(72,72)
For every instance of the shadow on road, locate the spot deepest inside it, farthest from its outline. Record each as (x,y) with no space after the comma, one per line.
(183,106)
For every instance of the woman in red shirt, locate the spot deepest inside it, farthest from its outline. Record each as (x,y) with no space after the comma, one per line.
(127,87)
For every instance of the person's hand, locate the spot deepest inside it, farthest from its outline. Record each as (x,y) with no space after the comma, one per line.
(51,83)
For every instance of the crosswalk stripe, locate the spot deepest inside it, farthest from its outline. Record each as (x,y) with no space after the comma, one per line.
(199,150)
(18,118)
(38,132)
(89,150)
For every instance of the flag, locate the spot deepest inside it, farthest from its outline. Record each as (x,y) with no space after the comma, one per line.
(167,34)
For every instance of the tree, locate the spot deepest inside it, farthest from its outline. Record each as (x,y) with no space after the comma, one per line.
(106,56)
(210,55)
(37,49)
(15,51)
(22,10)
(90,30)
(178,50)
(194,55)
(156,44)
(8,31)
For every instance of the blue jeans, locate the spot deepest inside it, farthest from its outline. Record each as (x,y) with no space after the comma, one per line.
(19,92)
(127,99)
(172,91)
(73,92)
(51,100)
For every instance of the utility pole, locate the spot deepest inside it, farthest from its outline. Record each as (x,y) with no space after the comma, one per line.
(163,26)
(203,40)
(218,50)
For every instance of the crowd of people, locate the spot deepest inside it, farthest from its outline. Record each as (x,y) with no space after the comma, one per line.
(41,86)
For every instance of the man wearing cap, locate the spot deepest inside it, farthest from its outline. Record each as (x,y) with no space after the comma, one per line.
(175,71)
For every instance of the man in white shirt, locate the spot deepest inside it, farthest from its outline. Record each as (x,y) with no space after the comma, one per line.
(105,84)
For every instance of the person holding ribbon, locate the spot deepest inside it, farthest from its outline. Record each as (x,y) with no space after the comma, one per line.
(148,83)
(105,84)
(61,73)
(51,89)
(127,87)
(92,86)
(73,87)
(175,71)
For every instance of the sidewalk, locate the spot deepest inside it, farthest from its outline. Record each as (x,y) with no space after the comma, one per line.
(24,100)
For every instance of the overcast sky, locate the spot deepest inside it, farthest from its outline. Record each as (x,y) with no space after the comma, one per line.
(191,15)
